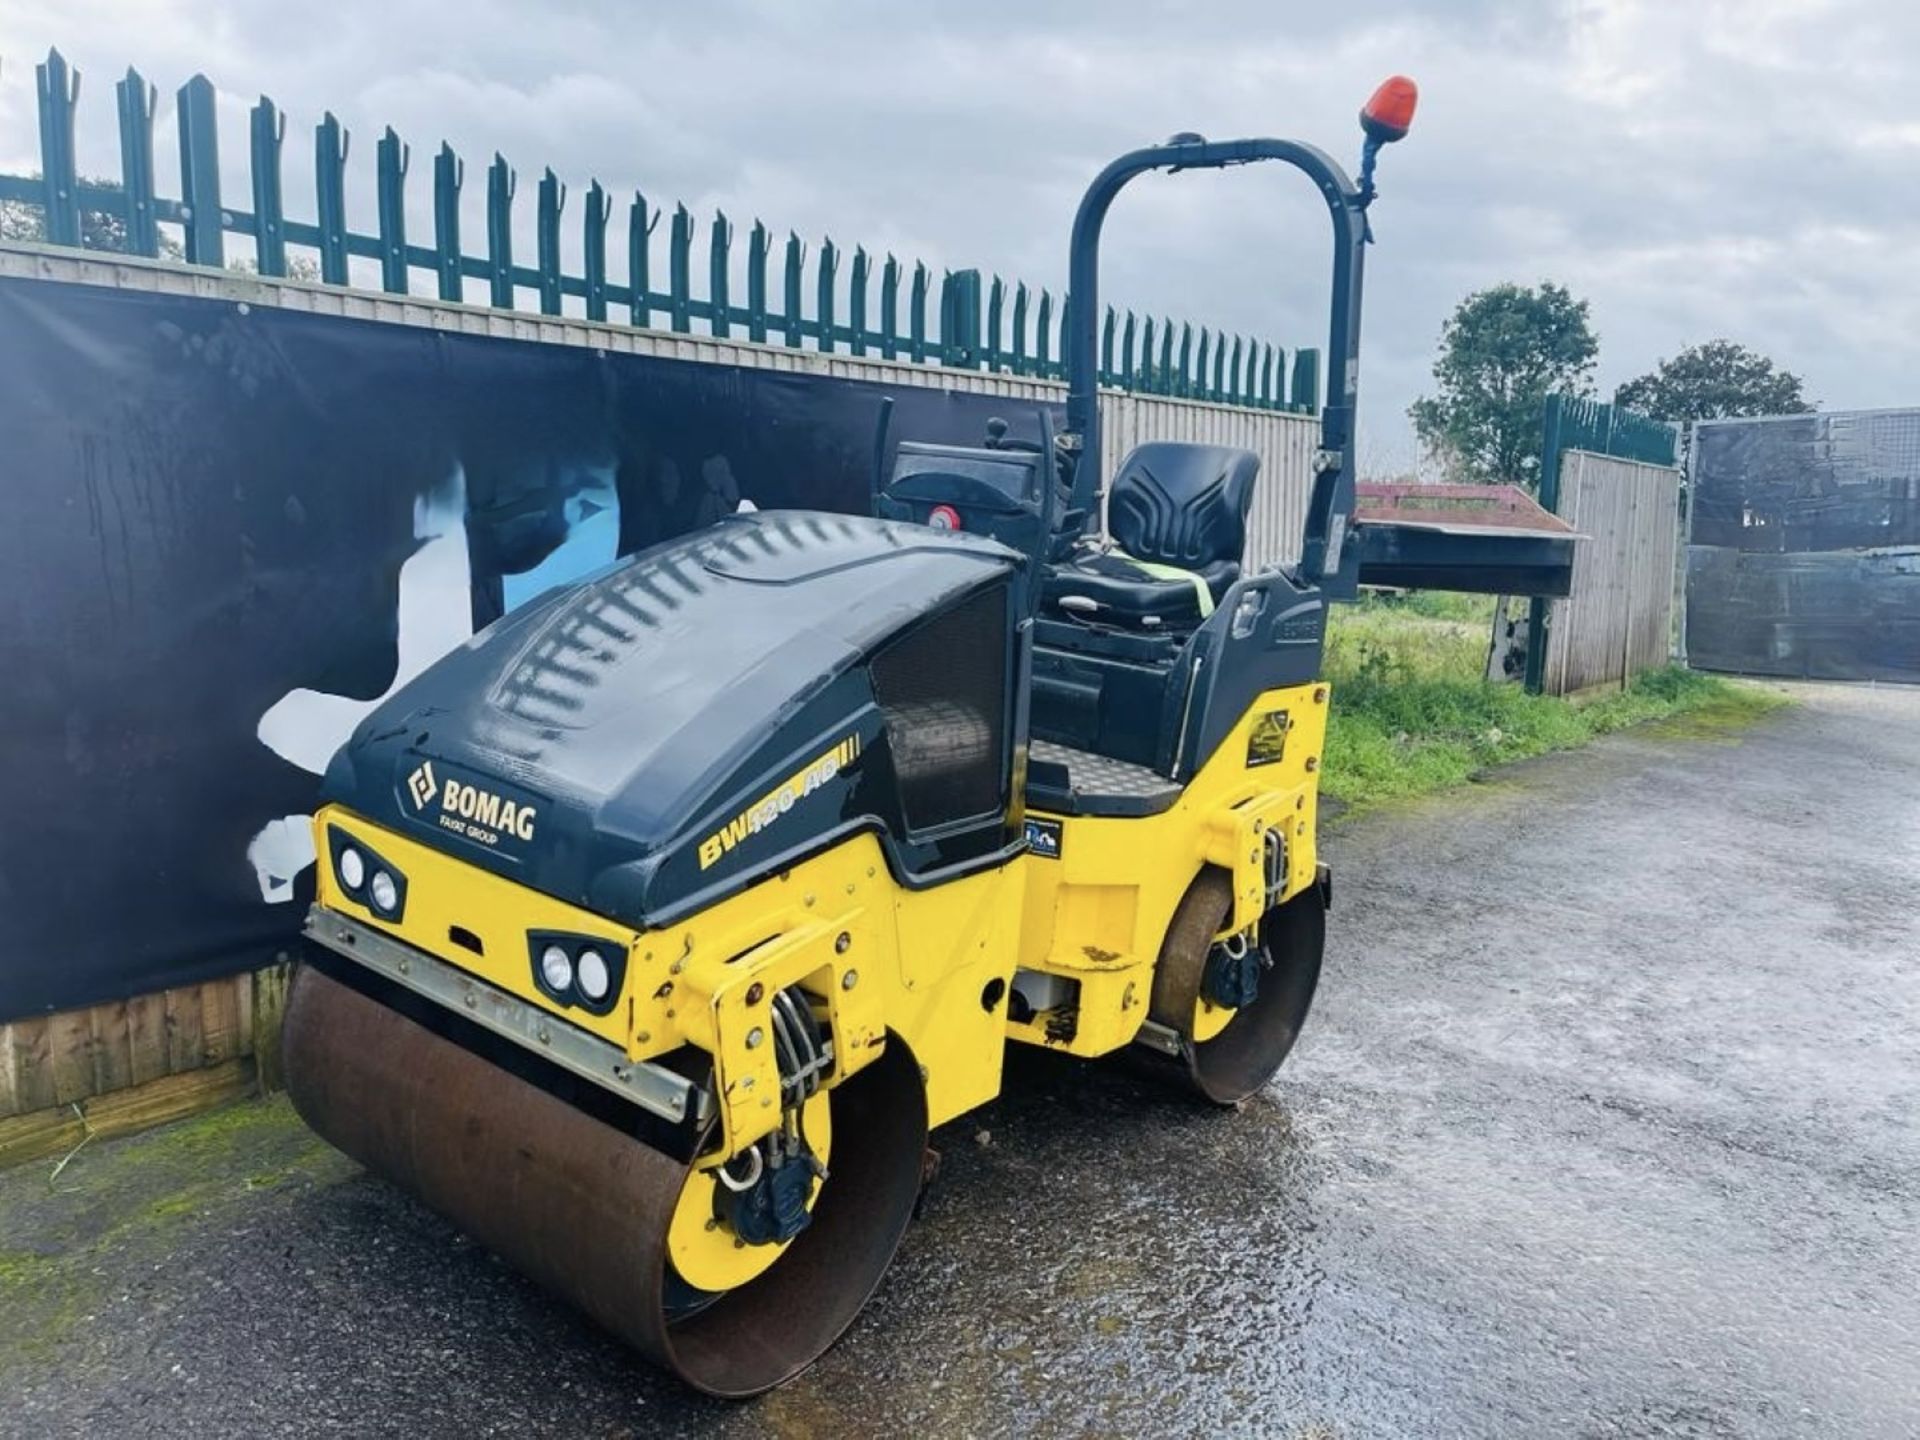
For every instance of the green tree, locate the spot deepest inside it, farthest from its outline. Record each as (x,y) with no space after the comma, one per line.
(107,230)
(1713,381)
(1501,352)
(299,267)
(99,229)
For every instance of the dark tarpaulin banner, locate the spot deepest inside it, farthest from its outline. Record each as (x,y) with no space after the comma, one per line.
(231,530)
(1804,553)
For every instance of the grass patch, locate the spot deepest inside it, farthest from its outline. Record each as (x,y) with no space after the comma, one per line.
(1412,713)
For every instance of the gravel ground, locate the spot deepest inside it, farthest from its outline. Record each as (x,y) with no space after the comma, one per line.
(1604,1125)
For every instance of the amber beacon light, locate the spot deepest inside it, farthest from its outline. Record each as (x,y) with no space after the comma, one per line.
(1388,114)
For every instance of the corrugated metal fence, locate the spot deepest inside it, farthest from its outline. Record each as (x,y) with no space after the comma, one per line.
(1619,619)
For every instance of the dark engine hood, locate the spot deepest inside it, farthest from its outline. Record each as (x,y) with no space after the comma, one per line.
(605,724)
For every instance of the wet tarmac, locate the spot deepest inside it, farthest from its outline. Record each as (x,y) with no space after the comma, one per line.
(1605,1125)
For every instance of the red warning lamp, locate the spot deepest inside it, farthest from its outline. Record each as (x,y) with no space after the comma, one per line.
(1388,115)
(944,517)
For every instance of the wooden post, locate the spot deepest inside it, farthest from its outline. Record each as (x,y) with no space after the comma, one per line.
(9,1086)
(269,1006)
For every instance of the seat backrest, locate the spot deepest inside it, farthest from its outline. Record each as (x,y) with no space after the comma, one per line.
(1184,505)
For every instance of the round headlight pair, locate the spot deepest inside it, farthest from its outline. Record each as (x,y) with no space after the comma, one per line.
(558,970)
(384,891)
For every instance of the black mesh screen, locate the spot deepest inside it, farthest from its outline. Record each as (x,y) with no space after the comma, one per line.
(943,691)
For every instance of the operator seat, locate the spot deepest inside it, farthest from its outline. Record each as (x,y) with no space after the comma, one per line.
(1176,527)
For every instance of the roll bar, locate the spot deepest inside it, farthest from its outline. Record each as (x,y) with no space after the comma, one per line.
(1326,557)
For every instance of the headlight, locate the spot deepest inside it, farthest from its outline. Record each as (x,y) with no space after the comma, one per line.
(386,894)
(594,979)
(556,969)
(353,869)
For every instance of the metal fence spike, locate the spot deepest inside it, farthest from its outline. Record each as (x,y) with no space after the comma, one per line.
(549,201)
(917,312)
(890,308)
(500,187)
(758,244)
(1018,359)
(679,269)
(58,85)
(719,275)
(960,319)
(640,223)
(266,133)
(996,301)
(857,301)
(1304,395)
(137,99)
(795,276)
(975,327)
(593,248)
(200,173)
(829,265)
(449,174)
(391,157)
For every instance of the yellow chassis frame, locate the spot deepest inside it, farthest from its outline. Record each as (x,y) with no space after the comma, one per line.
(932,966)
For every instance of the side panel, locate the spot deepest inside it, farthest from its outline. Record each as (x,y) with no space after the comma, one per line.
(1097,914)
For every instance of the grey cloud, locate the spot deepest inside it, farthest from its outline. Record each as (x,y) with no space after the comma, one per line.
(1738,167)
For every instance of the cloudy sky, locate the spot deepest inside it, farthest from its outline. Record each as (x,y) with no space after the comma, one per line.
(1694,168)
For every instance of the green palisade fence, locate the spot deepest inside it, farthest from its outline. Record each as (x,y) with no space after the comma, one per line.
(978,323)
(1572,423)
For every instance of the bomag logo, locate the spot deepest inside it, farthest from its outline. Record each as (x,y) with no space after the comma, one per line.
(470,810)
(779,800)
(420,785)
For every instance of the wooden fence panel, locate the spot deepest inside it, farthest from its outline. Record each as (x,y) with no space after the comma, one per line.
(1618,621)
(54,1061)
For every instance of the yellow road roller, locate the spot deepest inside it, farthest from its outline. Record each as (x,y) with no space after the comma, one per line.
(658,926)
